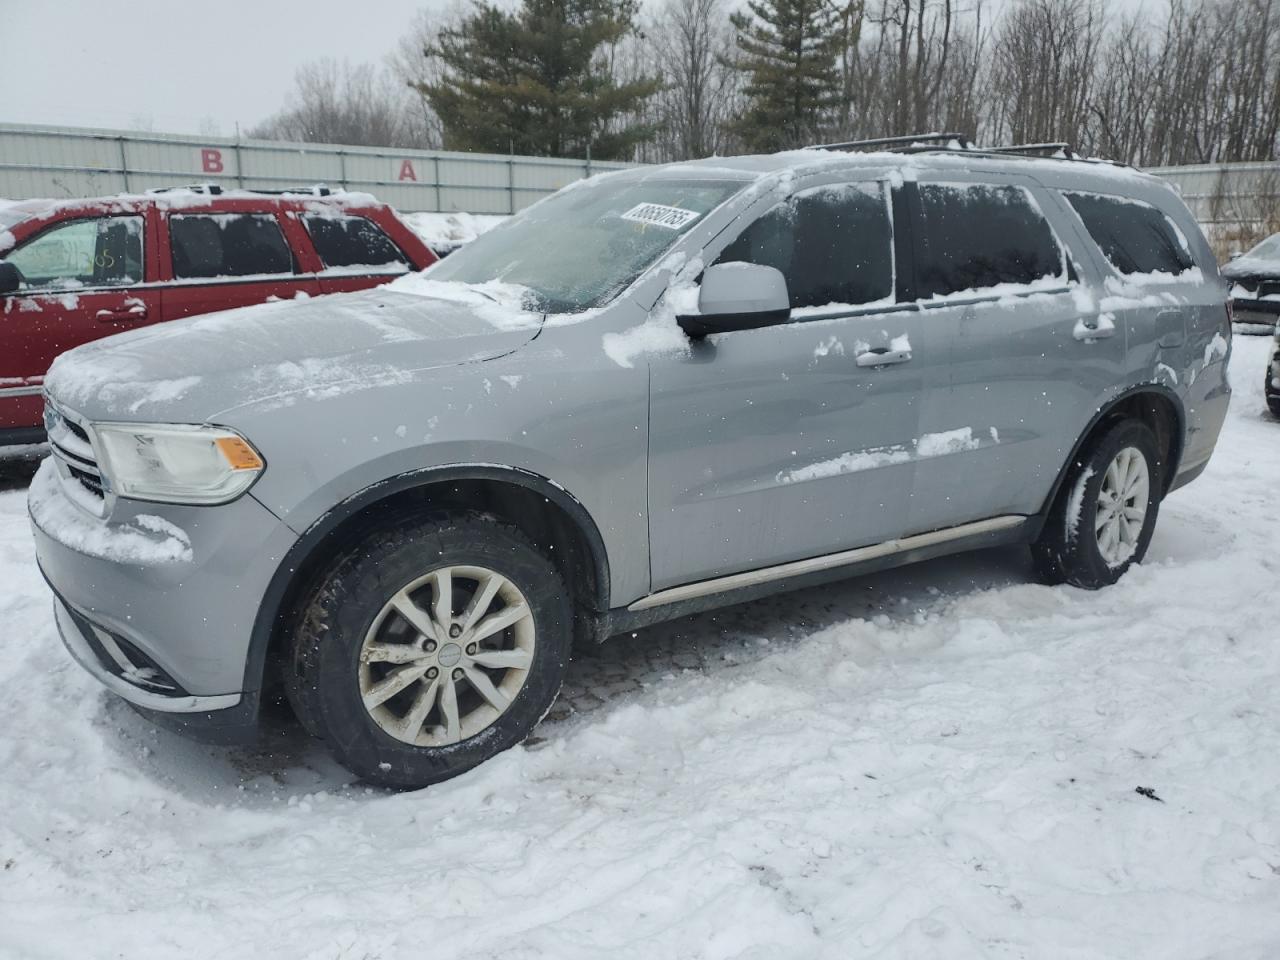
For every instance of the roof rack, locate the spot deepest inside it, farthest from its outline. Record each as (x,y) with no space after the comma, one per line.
(954,142)
(215,189)
(912,140)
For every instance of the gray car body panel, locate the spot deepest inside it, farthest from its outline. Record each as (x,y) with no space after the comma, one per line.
(693,460)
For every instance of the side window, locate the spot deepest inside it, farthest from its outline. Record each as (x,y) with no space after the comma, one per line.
(105,252)
(352,242)
(228,245)
(1134,236)
(833,244)
(977,236)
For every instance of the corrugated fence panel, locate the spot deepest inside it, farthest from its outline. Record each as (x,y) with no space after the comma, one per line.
(70,162)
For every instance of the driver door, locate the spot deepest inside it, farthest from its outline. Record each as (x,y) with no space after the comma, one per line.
(788,442)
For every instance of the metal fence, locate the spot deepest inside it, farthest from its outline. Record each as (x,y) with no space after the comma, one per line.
(1236,203)
(39,161)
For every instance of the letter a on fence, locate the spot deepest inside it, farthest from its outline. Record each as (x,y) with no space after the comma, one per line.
(407,171)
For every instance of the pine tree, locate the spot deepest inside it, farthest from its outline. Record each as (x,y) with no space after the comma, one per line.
(536,81)
(788,50)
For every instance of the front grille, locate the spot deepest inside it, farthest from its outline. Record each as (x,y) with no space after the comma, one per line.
(1269,288)
(71,448)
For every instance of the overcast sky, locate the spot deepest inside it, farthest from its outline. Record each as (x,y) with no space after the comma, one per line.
(177,65)
(182,66)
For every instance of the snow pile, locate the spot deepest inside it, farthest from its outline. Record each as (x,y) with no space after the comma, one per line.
(445,232)
(944,761)
(147,539)
(947,442)
(660,333)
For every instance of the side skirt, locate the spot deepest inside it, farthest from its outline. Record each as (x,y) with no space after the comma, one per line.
(753,584)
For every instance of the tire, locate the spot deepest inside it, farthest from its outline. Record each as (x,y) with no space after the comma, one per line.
(1273,403)
(374,622)
(1091,549)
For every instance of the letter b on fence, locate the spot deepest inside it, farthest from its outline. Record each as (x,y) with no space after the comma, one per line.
(211,160)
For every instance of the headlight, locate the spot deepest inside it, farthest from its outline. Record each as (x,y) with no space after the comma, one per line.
(174,463)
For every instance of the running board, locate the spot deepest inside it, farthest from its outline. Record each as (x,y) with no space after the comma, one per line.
(796,568)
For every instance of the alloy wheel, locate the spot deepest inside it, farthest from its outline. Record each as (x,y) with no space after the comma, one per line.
(446,655)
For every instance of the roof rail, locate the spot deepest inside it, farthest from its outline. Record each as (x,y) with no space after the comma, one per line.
(906,141)
(215,189)
(957,142)
(1045,149)
(212,189)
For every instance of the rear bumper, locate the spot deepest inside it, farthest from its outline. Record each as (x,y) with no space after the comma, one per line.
(1248,310)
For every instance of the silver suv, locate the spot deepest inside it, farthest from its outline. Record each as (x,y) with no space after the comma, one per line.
(655,392)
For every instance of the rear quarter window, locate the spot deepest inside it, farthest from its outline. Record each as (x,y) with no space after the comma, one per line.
(977,236)
(1135,237)
(346,241)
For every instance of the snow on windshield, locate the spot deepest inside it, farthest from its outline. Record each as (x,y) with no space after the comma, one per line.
(581,247)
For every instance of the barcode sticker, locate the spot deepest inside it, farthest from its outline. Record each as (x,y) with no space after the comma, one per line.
(673,218)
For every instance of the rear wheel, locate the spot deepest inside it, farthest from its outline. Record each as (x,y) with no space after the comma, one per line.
(430,649)
(1106,512)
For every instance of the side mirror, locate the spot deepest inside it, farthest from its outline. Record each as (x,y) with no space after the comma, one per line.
(10,278)
(738,296)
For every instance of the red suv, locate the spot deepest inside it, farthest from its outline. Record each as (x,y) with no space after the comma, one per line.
(77,270)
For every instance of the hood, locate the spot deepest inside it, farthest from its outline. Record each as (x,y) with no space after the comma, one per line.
(1251,268)
(190,370)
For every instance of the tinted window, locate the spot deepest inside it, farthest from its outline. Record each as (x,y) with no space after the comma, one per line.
(105,252)
(1134,236)
(980,236)
(352,242)
(834,245)
(228,245)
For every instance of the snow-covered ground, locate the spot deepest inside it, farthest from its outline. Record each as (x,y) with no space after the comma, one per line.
(446,232)
(937,762)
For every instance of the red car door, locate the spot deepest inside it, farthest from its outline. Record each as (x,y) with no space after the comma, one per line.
(217,260)
(83,278)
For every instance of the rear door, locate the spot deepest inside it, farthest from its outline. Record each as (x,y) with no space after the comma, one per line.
(792,441)
(220,260)
(84,278)
(1029,351)
(354,252)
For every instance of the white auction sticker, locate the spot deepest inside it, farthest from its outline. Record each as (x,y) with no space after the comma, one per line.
(673,218)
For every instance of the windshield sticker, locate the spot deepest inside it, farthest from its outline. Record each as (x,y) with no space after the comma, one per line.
(673,218)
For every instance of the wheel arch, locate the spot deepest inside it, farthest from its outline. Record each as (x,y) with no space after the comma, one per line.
(561,525)
(1151,403)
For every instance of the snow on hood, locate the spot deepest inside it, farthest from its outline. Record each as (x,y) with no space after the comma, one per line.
(1251,267)
(188,370)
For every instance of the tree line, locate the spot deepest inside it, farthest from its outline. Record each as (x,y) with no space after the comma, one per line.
(1196,81)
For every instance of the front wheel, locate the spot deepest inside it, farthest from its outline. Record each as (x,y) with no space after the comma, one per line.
(430,649)
(1106,513)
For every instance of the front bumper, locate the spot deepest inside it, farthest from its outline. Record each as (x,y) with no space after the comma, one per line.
(171,635)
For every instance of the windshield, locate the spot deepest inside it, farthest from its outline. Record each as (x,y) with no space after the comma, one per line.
(580,248)
(1268,249)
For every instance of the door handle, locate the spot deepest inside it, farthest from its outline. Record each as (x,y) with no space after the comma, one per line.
(1095,328)
(881,357)
(116,316)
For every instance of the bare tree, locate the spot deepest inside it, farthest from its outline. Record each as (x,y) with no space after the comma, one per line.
(339,103)
(692,43)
